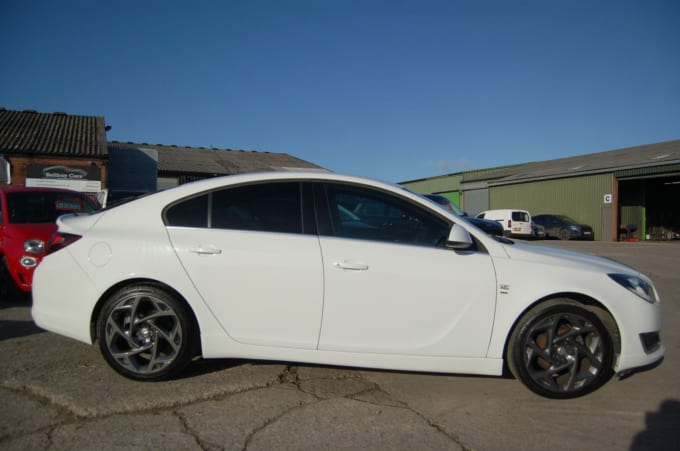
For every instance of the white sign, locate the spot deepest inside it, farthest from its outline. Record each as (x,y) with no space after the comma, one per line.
(84,186)
(85,179)
(608,198)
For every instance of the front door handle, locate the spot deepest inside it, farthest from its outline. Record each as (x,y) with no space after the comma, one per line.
(209,250)
(354,266)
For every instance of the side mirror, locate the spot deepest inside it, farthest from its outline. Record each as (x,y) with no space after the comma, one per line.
(459,238)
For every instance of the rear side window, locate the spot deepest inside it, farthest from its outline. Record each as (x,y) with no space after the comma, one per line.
(267,207)
(189,213)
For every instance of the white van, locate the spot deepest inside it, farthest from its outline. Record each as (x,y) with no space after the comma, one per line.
(515,222)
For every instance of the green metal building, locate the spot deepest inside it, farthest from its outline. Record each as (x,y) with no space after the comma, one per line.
(631,193)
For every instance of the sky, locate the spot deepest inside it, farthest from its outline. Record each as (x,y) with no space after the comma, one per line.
(388,89)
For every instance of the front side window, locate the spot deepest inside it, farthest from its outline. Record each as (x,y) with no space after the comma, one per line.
(363,213)
(266,207)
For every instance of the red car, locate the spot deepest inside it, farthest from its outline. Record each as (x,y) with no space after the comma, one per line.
(27,220)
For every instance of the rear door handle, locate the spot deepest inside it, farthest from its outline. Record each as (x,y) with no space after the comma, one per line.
(354,266)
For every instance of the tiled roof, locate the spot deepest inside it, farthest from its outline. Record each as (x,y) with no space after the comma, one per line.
(200,160)
(57,134)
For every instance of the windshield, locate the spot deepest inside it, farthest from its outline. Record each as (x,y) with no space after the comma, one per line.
(45,206)
(456,209)
(566,219)
(443,202)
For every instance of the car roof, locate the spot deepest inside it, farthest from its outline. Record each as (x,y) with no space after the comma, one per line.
(504,210)
(265,176)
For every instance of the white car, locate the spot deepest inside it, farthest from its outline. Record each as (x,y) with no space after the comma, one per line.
(323,268)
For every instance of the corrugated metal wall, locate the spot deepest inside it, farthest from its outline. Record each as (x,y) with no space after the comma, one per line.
(476,201)
(440,184)
(582,198)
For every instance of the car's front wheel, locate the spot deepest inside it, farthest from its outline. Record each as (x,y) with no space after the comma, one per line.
(561,350)
(9,290)
(146,333)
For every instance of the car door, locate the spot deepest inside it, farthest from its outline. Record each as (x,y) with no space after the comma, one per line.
(392,286)
(254,260)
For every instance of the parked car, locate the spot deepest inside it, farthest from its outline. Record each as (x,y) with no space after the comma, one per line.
(110,198)
(490,227)
(516,223)
(27,220)
(564,228)
(271,266)
(538,231)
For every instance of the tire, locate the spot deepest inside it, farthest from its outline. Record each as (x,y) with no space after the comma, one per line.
(564,234)
(9,290)
(145,333)
(561,350)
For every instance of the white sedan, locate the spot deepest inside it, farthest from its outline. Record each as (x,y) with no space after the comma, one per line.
(323,268)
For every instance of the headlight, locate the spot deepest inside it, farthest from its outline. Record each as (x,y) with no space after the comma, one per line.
(637,285)
(34,246)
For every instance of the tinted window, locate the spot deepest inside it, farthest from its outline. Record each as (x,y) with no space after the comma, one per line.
(270,207)
(520,216)
(373,215)
(41,207)
(189,213)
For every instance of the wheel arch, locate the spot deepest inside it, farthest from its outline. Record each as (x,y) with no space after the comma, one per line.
(577,299)
(141,281)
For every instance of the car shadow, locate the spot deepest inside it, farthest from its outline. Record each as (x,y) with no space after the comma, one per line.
(202,367)
(662,431)
(17,329)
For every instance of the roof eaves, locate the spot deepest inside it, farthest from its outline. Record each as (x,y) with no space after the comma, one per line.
(529,177)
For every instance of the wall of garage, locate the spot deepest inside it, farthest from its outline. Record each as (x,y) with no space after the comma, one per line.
(582,198)
(453,196)
(437,185)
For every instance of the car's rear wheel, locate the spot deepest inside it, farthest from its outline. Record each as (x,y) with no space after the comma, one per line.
(561,350)
(146,333)
(564,234)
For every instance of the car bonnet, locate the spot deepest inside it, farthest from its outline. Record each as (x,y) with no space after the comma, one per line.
(565,258)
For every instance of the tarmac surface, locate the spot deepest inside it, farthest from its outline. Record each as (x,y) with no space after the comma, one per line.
(59,394)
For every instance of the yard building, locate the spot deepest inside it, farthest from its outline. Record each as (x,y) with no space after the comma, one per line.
(70,151)
(627,193)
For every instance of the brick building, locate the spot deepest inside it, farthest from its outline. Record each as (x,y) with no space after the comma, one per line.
(70,151)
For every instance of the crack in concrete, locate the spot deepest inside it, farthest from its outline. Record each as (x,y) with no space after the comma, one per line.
(190,431)
(405,406)
(290,375)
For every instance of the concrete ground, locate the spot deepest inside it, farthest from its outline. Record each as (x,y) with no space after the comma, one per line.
(58,394)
